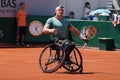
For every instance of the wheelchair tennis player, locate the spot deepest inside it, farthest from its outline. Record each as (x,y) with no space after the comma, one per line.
(57,26)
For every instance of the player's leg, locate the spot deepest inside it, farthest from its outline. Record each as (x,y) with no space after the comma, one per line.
(75,61)
(68,48)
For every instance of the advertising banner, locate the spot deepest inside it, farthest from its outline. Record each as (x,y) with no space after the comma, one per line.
(8,8)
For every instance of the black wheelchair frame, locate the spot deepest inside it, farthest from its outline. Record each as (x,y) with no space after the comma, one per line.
(56,57)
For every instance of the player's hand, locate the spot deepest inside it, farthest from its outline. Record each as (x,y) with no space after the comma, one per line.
(83,38)
(53,31)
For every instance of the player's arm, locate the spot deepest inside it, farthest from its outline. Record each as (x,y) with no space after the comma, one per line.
(47,30)
(77,32)
(74,30)
(47,27)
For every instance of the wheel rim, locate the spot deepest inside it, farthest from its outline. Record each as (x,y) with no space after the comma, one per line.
(49,59)
(75,61)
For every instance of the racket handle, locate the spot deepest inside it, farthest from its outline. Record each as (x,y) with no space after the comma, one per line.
(85,44)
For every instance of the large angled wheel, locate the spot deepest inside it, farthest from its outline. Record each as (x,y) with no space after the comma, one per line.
(51,58)
(75,61)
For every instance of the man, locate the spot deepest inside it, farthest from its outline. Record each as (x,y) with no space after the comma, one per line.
(87,11)
(21,22)
(57,26)
(71,15)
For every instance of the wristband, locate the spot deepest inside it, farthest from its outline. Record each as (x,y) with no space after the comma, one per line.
(82,37)
(50,31)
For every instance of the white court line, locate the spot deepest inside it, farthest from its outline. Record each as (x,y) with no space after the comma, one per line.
(95,60)
(23,62)
(32,61)
(90,60)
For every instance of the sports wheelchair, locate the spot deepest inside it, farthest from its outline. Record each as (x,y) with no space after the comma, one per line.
(55,55)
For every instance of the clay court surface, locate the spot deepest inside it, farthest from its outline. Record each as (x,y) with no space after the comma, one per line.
(22,64)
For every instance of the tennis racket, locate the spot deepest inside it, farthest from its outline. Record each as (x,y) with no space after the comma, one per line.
(88,32)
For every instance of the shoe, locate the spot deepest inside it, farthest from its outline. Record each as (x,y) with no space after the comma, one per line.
(68,62)
(22,43)
(17,43)
(28,45)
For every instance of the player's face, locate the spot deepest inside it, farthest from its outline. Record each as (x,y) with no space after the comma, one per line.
(60,12)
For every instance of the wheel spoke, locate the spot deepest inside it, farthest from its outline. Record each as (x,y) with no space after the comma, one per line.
(75,63)
(51,58)
(75,56)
